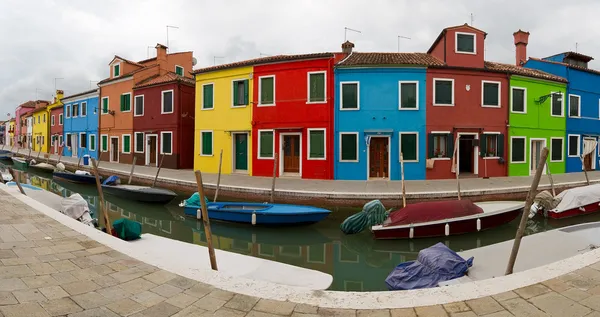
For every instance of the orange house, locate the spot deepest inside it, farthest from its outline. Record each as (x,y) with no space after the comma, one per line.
(116,98)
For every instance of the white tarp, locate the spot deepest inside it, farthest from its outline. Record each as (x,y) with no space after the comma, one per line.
(79,172)
(578,197)
(77,208)
(589,145)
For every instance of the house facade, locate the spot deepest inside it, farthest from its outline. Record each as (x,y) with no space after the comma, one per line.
(56,129)
(379,114)
(79,125)
(10,125)
(40,128)
(22,132)
(163,121)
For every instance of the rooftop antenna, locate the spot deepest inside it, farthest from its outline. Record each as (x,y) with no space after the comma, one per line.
(472,19)
(401,37)
(346,29)
(148,49)
(172,27)
(576,47)
(215,59)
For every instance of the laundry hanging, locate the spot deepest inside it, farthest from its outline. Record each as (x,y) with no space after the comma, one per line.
(589,146)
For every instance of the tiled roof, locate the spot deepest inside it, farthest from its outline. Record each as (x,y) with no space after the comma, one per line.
(263,60)
(166,78)
(516,70)
(583,69)
(107,80)
(39,109)
(154,58)
(356,59)
(28,104)
(128,61)
(80,94)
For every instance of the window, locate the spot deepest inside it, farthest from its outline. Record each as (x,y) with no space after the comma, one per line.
(138,106)
(348,147)
(126,144)
(75,110)
(167,101)
(44,118)
(240,93)
(60,119)
(517,149)
(266,146)
(104,143)
(557,108)
(443,92)
(465,43)
(409,146)
(574,106)
(92,142)
(82,140)
(116,70)
(574,146)
(178,70)
(316,87)
(38,118)
(556,149)
(350,96)
(409,95)
(139,142)
(60,140)
(52,120)
(104,105)
(68,111)
(316,144)
(491,145)
(440,145)
(490,95)
(518,100)
(84,109)
(68,137)
(126,102)
(166,143)
(266,91)
(206,143)
(208,97)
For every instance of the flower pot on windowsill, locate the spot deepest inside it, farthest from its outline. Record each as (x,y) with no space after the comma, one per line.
(491,155)
(440,155)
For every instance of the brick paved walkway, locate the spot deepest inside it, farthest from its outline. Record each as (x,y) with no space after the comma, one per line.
(47,269)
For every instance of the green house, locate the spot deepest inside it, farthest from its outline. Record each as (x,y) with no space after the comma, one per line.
(536,120)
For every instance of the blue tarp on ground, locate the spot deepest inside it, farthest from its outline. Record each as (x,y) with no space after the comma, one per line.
(433,265)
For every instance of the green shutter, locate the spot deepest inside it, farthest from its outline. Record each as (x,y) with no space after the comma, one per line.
(235,94)
(483,145)
(430,149)
(443,92)
(121,103)
(408,93)
(246,86)
(104,105)
(500,150)
(104,142)
(408,148)
(207,143)
(179,70)
(518,147)
(317,144)
(349,96)
(450,145)
(126,143)
(207,97)
(127,102)
(266,144)
(349,147)
(491,95)
(267,90)
(317,87)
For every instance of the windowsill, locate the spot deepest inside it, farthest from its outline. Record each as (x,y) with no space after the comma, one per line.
(551,161)
(518,112)
(266,105)
(348,161)
(442,105)
(349,109)
(125,152)
(207,155)
(316,102)
(440,158)
(167,153)
(408,109)
(468,53)
(518,162)
(577,117)
(242,106)
(491,106)
(577,156)
(316,159)
(123,111)
(411,161)
(491,157)
(166,112)
(265,158)
(557,116)
(206,109)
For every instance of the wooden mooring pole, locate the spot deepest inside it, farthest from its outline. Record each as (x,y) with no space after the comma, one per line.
(60,154)
(402,178)
(16,178)
(274,176)
(525,214)
(162,158)
(550,179)
(587,179)
(38,156)
(132,168)
(206,221)
(219,176)
(101,196)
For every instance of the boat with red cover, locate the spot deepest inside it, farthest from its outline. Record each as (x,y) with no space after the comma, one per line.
(444,218)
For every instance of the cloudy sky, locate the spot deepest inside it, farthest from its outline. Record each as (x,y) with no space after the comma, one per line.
(75,40)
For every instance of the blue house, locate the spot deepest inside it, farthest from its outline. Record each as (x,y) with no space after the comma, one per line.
(380,112)
(80,125)
(583,106)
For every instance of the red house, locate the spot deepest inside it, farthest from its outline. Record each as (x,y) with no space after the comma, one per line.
(163,121)
(56,129)
(292,116)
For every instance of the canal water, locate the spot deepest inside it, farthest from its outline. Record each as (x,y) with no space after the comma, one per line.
(356,262)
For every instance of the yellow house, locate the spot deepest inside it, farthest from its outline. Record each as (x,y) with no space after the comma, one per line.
(11,132)
(223,119)
(41,125)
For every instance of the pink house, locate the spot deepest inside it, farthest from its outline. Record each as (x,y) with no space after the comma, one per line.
(20,124)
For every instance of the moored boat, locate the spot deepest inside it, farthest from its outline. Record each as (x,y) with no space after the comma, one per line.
(570,202)
(145,194)
(19,163)
(444,218)
(41,167)
(80,177)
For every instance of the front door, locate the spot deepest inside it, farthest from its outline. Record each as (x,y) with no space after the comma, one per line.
(114,149)
(291,153)
(151,157)
(465,154)
(74,145)
(241,151)
(587,162)
(536,153)
(378,158)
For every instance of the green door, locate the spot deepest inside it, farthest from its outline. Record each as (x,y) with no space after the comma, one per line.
(241,151)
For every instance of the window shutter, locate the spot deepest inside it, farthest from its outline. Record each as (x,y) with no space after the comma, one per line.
(208,96)
(483,145)
(246,91)
(430,145)
(121,103)
(235,93)
(500,151)
(126,142)
(450,145)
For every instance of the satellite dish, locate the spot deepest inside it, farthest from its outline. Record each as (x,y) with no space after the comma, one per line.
(194,61)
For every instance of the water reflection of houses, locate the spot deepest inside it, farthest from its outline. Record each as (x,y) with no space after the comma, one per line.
(150,225)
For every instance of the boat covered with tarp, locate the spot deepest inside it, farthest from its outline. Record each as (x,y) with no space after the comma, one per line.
(41,167)
(112,186)
(79,176)
(76,207)
(570,202)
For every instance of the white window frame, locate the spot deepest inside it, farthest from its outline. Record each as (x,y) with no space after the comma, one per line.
(562,149)
(562,104)
(135,142)
(60,118)
(233,82)
(578,108)
(456,43)
(578,145)
(260,92)
(75,115)
(435,80)
(483,135)
(60,141)
(324,145)
(308,87)
(92,144)
(130,102)
(102,106)
(67,139)
(524,100)
(483,82)
(524,138)
(135,103)
(120,70)
(123,143)
(213,96)
(161,142)
(79,139)
(83,106)
(52,120)
(182,70)
(259,145)
(400,145)
(68,111)
(400,94)
(342,83)
(162,101)
(107,142)
(212,136)
(357,147)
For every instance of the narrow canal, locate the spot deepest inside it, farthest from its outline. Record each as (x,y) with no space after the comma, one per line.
(356,262)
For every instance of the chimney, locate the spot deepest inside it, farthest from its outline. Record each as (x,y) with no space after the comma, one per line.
(161,57)
(521,41)
(347,47)
(59,95)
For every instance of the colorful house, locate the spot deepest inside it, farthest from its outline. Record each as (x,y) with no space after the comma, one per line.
(22,130)
(40,129)
(582,104)
(56,129)
(379,113)
(163,121)
(116,98)
(10,132)
(79,124)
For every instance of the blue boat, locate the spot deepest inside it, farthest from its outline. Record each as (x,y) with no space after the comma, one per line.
(75,177)
(260,213)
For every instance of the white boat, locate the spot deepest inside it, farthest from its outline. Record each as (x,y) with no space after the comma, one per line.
(570,202)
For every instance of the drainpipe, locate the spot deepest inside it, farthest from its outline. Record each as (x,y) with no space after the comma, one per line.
(506,138)
(331,118)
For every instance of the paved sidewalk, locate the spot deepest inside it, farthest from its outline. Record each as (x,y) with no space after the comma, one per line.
(48,269)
